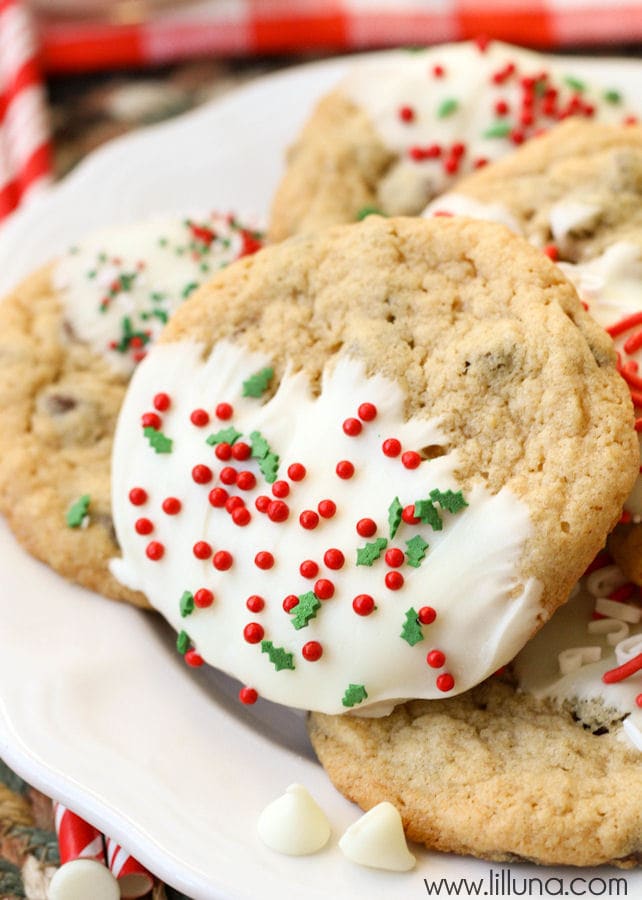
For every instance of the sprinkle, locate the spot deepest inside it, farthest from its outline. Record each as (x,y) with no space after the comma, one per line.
(253,633)
(552,252)
(366,527)
(199,417)
(517,136)
(312,651)
(408,515)
(352,427)
(248,696)
(308,519)
(202,474)
(183,642)
(427,513)
(497,130)
(367,412)
(438,71)
(277,656)
(189,289)
(447,108)
(241,451)
(268,460)
(77,512)
(411,630)
(327,508)
(171,506)
(394,557)
(445,682)
(354,694)
(257,384)
(363,604)
(410,459)
(426,615)
(394,516)
(278,511)
(309,569)
(630,667)
(367,555)
(186,604)
(264,559)
(245,481)
(366,211)
(155,551)
(157,440)
(324,589)
(203,598)
(406,113)
(228,475)
(218,496)
(262,502)
(306,608)
(296,472)
(223,452)
(143,526)
(391,447)
(202,550)
(222,560)
(234,502)
(575,83)
(255,603)
(241,516)
(224,411)
(612,96)
(416,551)
(162,402)
(394,580)
(436,659)
(194,659)
(290,602)
(345,469)
(502,108)
(280,489)
(224,436)
(137,496)
(333,558)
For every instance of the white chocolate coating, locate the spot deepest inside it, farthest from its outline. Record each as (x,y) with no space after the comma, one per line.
(81,879)
(377,840)
(471,575)
(294,824)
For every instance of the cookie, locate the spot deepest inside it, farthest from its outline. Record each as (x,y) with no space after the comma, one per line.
(370,444)
(70,336)
(577,193)
(401,129)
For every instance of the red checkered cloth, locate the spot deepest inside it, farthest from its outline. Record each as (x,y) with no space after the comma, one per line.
(25,160)
(245,27)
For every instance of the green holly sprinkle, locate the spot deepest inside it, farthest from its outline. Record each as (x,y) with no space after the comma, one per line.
(189,289)
(183,642)
(267,459)
(78,511)
(157,440)
(257,384)
(279,658)
(447,108)
(371,552)
(612,96)
(187,604)
(575,83)
(394,516)
(224,436)
(453,501)
(497,130)
(355,693)
(429,514)
(416,551)
(366,211)
(411,631)
(305,609)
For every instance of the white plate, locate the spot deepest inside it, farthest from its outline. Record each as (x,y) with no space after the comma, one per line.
(96,707)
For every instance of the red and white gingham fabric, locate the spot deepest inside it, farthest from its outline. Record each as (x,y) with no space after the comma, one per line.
(25,162)
(243,27)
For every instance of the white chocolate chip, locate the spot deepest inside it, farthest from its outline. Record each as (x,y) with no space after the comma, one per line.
(614,610)
(294,823)
(377,840)
(574,658)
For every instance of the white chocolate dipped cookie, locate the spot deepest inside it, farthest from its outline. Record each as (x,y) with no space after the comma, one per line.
(70,337)
(356,485)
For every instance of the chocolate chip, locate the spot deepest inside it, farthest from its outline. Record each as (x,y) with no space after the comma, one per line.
(59,404)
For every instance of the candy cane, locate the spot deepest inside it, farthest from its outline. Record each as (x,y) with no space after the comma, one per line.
(133,879)
(83,872)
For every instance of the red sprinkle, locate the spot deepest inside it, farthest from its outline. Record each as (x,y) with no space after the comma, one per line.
(262,502)
(324,589)
(480,162)
(406,113)
(193,658)
(630,667)
(144,526)
(438,71)
(203,598)
(352,427)
(222,560)
(312,651)
(172,506)
(436,659)
(241,451)
(233,502)
(241,516)
(445,682)
(633,343)
(201,474)
(224,411)
(280,489)
(155,550)
(333,558)
(408,515)
(202,550)
(391,447)
(394,557)
(151,420)
(426,615)
(162,402)
(218,496)
(517,136)
(137,496)
(345,469)
(248,696)
(278,511)
(502,108)
(366,527)
(228,475)
(410,459)
(363,604)
(296,472)
(367,412)
(308,519)
(199,417)
(223,451)
(245,481)
(253,632)
(552,252)
(451,165)
(309,569)
(255,603)
(394,580)
(327,508)
(264,559)
(638,700)
(290,602)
